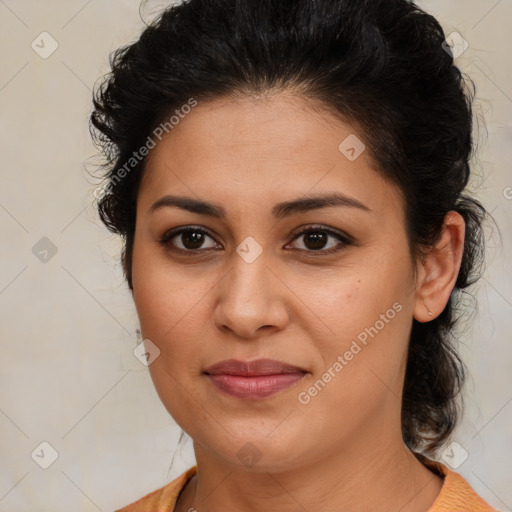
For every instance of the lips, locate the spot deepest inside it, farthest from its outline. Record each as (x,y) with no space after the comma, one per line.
(252,368)
(253,379)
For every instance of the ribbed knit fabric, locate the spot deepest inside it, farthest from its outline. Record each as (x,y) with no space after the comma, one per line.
(455,496)
(163,499)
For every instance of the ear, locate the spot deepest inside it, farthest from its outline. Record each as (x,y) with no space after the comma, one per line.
(438,271)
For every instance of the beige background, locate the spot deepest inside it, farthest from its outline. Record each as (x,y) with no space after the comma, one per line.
(68,374)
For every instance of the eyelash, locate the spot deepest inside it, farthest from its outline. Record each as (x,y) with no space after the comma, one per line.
(345,240)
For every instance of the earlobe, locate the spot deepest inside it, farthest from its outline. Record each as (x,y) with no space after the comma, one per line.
(439,269)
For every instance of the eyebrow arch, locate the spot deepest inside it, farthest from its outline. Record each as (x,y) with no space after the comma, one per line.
(280,210)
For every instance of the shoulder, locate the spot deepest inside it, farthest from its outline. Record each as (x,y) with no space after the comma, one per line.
(162,499)
(456,494)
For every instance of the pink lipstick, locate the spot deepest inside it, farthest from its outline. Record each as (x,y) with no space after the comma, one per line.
(253,379)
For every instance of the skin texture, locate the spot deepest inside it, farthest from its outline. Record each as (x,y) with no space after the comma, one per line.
(343,450)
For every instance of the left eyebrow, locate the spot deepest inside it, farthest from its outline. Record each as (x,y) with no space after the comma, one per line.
(306,204)
(280,210)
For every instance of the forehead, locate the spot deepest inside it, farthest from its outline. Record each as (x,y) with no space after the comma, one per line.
(256,148)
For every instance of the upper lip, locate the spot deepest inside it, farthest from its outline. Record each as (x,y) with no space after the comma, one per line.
(252,368)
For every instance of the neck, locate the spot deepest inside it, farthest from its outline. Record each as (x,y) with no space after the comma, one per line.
(384,477)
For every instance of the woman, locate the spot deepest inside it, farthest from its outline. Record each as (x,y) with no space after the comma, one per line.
(288,178)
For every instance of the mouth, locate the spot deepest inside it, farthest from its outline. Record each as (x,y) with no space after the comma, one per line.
(253,379)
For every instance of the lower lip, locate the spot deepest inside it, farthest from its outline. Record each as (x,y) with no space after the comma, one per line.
(254,387)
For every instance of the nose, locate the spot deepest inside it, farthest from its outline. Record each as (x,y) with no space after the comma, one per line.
(251,299)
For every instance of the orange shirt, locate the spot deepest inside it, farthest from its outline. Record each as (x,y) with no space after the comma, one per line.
(456,495)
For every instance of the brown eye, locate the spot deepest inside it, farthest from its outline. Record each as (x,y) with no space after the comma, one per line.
(188,239)
(192,239)
(315,239)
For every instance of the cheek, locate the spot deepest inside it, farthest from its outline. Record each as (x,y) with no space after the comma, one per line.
(174,320)
(350,300)
(362,363)
(166,297)
(169,306)
(366,323)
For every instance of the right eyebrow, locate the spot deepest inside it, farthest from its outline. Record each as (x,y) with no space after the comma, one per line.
(190,204)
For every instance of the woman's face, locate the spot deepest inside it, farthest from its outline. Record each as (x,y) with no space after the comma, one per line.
(253,288)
